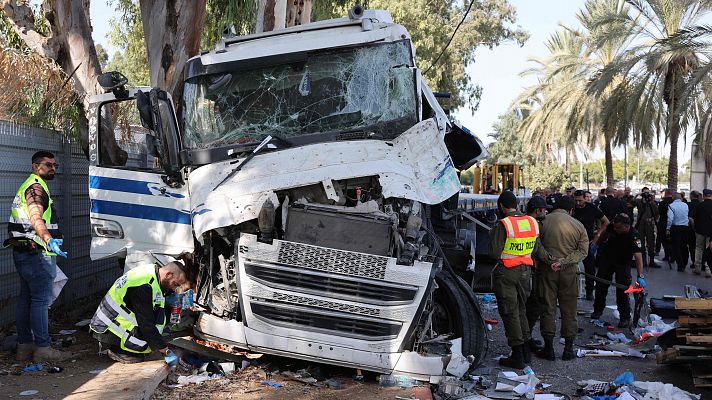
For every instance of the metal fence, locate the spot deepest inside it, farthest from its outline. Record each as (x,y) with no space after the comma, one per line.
(71,197)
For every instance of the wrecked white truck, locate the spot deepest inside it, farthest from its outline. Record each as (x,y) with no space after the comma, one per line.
(313,174)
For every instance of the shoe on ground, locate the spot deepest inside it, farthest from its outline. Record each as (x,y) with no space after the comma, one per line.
(48,354)
(624,323)
(535,345)
(568,353)
(125,358)
(515,360)
(25,351)
(708,273)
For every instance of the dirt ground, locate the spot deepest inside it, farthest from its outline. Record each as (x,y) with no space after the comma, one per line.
(76,370)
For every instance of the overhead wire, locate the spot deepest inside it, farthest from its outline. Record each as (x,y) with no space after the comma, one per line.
(451,37)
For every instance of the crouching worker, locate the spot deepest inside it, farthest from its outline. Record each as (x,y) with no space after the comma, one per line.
(130,319)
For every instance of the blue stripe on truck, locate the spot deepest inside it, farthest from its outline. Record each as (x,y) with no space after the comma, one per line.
(139,211)
(129,186)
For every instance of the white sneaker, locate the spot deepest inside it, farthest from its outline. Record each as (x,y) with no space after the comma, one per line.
(708,273)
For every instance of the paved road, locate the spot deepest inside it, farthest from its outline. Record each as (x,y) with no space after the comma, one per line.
(564,374)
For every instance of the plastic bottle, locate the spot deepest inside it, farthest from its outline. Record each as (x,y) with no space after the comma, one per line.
(396,380)
(176,309)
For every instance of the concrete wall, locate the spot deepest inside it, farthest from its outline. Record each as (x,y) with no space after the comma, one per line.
(699,179)
(71,196)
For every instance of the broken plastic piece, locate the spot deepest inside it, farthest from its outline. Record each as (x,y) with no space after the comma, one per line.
(271,384)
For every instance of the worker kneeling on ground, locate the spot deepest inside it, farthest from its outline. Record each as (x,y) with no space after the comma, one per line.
(132,315)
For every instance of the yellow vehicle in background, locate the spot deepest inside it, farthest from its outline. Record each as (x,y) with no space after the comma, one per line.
(494,178)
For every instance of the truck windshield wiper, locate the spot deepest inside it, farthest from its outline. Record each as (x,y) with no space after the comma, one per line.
(249,157)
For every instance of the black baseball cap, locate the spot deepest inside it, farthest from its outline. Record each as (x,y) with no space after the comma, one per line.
(538,202)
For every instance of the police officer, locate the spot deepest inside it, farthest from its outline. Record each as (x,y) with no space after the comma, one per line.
(566,240)
(513,240)
(35,240)
(131,317)
(620,248)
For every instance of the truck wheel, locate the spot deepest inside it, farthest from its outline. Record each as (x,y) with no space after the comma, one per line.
(456,311)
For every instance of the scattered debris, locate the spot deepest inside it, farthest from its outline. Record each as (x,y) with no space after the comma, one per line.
(30,392)
(33,368)
(271,384)
(67,332)
(98,371)
(83,322)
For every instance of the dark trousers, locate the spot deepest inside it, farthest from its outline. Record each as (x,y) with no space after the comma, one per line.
(680,236)
(559,288)
(589,266)
(534,301)
(691,244)
(606,271)
(511,287)
(646,228)
(663,241)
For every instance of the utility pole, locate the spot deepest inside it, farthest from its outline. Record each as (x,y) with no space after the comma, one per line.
(625,165)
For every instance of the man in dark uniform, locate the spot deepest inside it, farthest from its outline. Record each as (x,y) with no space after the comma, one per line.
(620,249)
(513,241)
(695,200)
(648,215)
(612,205)
(589,215)
(662,239)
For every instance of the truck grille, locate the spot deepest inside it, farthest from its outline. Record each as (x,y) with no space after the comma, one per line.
(332,260)
(318,320)
(330,286)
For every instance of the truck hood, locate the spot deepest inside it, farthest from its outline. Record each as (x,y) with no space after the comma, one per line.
(416,166)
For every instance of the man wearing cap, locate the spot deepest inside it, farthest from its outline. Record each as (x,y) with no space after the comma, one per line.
(566,240)
(662,239)
(620,248)
(537,209)
(702,217)
(589,215)
(131,317)
(513,241)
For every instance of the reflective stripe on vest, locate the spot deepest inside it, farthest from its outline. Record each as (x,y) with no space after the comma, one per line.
(522,233)
(19,226)
(114,316)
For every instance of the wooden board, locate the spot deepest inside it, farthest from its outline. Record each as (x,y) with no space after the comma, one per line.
(701,382)
(682,332)
(124,382)
(693,304)
(690,321)
(699,339)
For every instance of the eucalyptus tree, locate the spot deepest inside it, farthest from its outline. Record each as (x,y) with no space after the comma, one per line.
(657,68)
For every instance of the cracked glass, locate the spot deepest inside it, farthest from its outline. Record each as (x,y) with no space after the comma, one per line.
(369,88)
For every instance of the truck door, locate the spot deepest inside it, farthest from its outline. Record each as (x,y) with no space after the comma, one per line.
(139,201)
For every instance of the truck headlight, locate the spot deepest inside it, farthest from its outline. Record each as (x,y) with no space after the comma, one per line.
(106,229)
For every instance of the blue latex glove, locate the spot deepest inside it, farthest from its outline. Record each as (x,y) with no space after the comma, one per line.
(641,282)
(171,358)
(54,244)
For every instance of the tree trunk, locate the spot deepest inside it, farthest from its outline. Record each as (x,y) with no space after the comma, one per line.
(609,163)
(70,45)
(172,29)
(278,14)
(674,136)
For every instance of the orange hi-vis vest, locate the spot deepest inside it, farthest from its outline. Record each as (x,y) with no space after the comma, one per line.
(522,233)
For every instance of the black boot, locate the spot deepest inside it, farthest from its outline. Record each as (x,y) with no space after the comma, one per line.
(534,345)
(516,360)
(547,352)
(526,352)
(568,353)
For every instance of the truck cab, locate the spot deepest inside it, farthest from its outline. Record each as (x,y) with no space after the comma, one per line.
(315,177)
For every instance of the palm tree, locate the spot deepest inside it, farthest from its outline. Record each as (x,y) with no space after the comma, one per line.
(567,112)
(656,68)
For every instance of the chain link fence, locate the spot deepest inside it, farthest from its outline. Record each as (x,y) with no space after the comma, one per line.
(70,191)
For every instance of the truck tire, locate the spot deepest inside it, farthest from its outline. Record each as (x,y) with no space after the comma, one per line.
(456,311)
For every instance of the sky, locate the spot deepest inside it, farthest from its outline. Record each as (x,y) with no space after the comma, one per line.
(497,71)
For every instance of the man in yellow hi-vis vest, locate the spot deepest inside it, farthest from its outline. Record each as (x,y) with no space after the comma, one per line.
(513,241)
(131,317)
(35,240)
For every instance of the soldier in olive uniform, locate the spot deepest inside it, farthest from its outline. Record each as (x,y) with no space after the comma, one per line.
(513,240)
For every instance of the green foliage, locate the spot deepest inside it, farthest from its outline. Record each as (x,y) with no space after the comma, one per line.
(220,15)
(547,175)
(102,55)
(431,23)
(508,146)
(467,177)
(126,33)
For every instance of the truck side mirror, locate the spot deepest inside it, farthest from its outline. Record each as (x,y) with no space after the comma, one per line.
(143,103)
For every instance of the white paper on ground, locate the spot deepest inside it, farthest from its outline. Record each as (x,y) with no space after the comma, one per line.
(626,396)
(59,281)
(503,387)
(509,374)
(546,396)
(520,389)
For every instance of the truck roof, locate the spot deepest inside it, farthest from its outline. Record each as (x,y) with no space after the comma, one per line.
(373,27)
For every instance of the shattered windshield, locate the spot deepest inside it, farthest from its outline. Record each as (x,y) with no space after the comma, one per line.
(343,90)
